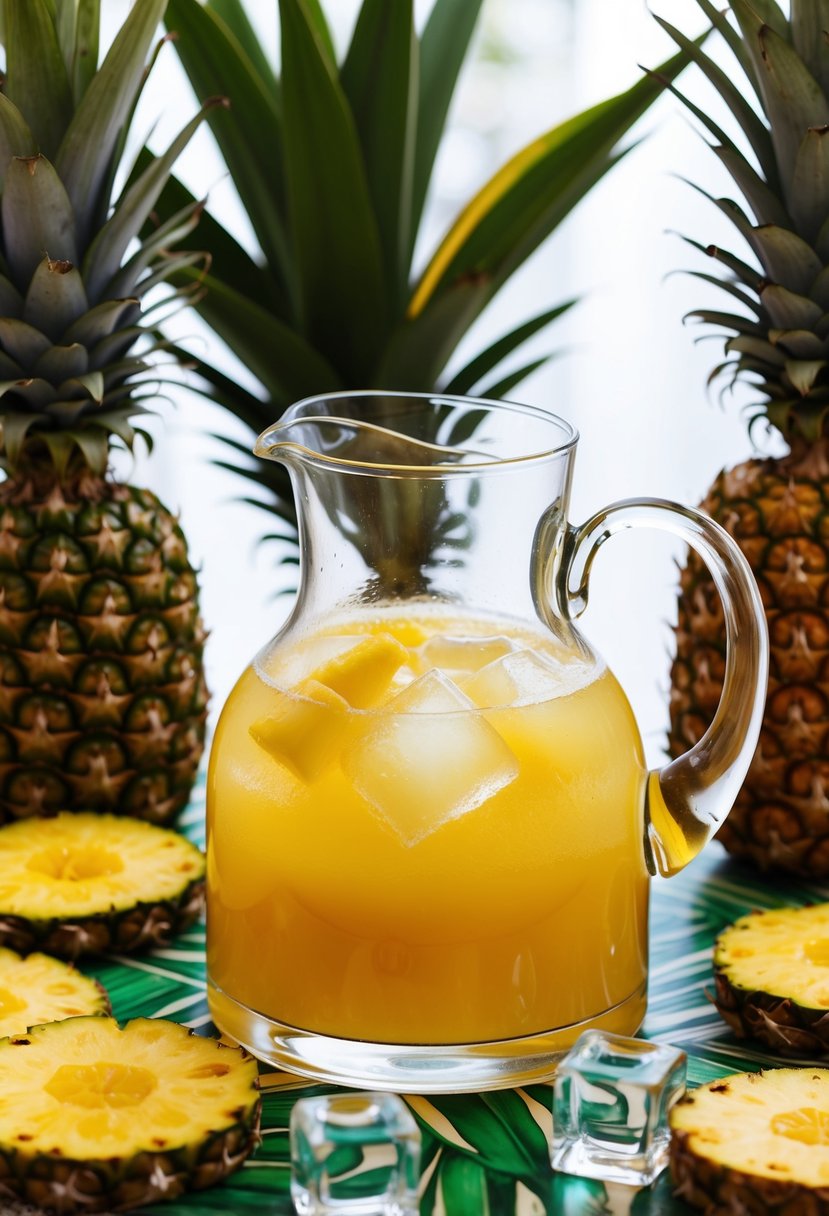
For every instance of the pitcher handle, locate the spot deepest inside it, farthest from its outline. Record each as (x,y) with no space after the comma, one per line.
(688,799)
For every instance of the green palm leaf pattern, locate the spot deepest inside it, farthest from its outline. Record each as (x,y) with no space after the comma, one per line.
(486,1154)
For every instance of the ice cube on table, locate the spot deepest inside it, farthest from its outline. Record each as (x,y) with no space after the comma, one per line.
(429,757)
(610,1107)
(304,731)
(462,654)
(521,678)
(355,1154)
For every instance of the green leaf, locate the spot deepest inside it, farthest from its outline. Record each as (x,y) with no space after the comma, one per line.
(719,20)
(249,134)
(757,349)
(319,24)
(55,299)
(22,341)
(753,127)
(85,50)
(731,288)
(105,254)
(14,428)
(753,13)
(809,21)
(498,389)
(463,1185)
(336,238)
(33,58)
(87,149)
(15,137)
(727,320)
(788,310)
(799,343)
(60,363)
(281,358)
(230,262)
(100,321)
(792,99)
(443,47)
(764,203)
(11,301)
(810,185)
(786,258)
(380,78)
(421,346)
(464,381)
(94,445)
(232,13)
(38,218)
(535,190)
(804,373)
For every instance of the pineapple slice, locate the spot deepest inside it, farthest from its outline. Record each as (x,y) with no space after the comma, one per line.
(304,732)
(754,1142)
(772,979)
(41,989)
(363,673)
(86,883)
(94,1117)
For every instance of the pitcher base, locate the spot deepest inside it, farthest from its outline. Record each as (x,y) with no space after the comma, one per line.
(407,1068)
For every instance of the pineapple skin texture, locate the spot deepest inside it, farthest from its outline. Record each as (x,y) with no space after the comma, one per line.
(778,512)
(719,1190)
(102,695)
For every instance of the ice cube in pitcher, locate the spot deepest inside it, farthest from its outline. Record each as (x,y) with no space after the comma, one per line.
(429,757)
(521,678)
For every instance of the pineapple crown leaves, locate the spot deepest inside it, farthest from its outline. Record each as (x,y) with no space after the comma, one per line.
(779,162)
(332,160)
(74,340)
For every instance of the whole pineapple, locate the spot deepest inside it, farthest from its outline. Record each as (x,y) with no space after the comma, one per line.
(102,696)
(776,509)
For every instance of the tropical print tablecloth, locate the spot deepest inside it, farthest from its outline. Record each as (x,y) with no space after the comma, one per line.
(484,1155)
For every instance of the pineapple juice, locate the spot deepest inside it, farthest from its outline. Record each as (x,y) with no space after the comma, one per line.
(428,830)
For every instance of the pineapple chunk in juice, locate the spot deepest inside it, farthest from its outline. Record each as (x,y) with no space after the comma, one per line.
(455,872)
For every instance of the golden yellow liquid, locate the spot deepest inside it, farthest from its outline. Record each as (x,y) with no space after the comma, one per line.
(344,900)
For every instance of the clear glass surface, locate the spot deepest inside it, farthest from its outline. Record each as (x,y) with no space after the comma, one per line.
(610,1108)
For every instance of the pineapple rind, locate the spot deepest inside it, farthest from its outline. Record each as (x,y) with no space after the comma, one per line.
(44,990)
(102,697)
(725,1157)
(778,512)
(771,979)
(135,1161)
(158,894)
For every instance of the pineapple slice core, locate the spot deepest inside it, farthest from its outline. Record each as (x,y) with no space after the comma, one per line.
(101,1084)
(75,865)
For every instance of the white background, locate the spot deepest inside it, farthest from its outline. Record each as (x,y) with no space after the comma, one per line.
(630,375)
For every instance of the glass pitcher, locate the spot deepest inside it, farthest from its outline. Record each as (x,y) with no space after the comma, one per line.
(430,821)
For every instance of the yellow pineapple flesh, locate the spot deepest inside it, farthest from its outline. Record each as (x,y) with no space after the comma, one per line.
(81,883)
(94,1116)
(772,978)
(754,1142)
(39,989)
